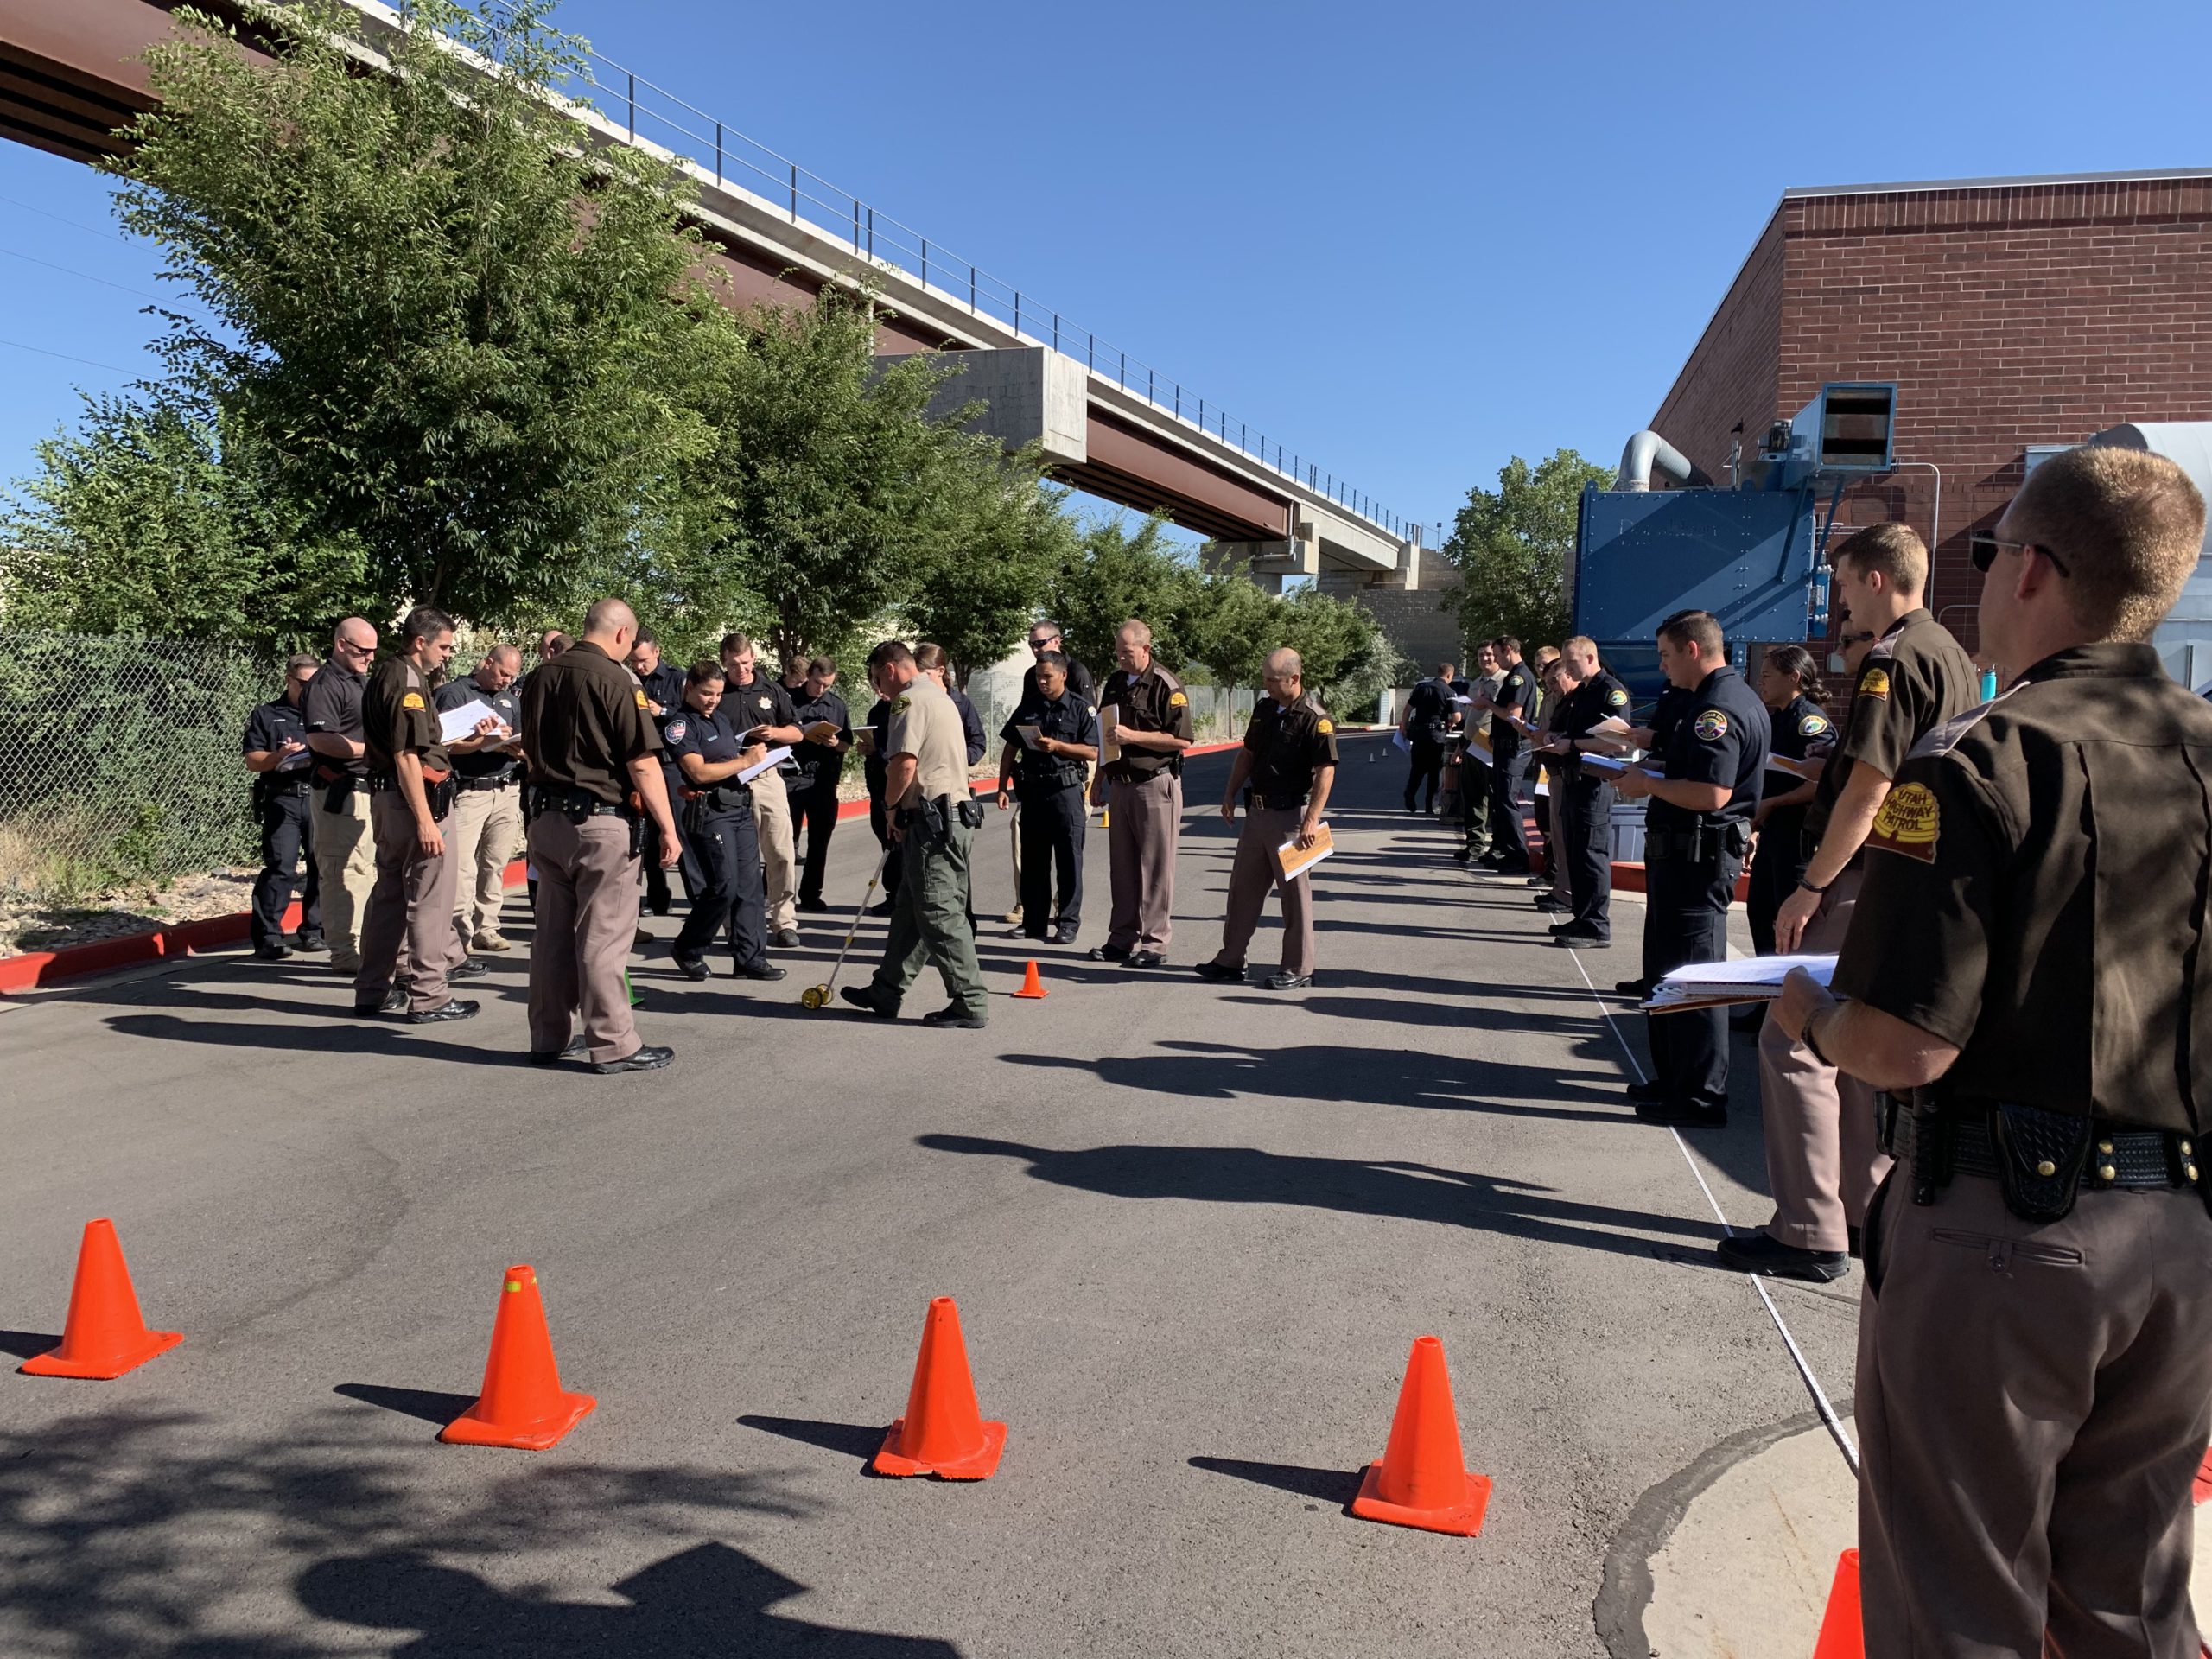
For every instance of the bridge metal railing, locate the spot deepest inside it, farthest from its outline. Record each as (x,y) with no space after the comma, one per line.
(654,115)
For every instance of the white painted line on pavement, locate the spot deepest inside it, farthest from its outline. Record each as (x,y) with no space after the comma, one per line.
(1804,1368)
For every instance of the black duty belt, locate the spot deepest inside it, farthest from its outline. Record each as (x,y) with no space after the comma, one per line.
(1275,803)
(2118,1157)
(289,782)
(554,797)
(490,780)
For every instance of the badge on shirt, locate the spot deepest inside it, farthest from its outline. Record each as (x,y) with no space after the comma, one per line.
(1875,682)
(675,730)
(640,696)
(1712,726)
(1617,699)
(1325,726)
(412,700)
(764,702)
(1177,700)
(1812,725)
(1909,823)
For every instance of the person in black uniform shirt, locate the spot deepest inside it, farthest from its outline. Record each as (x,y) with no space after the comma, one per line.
(930,658)
(2029,974)
(721,845)
(1789,685)
(664,684)
(758,704)
(1697,830)
(875,768)
(1285,769)
(1045,636)
(1585,801)
(277,755)
(1431,717)
(1047,773)
(1516,700)
(821,761)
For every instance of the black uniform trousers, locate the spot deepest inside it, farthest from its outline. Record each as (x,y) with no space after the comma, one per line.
(659,899)
(1426,769)
(1585,806)
(1686,919)
(1053,824)
(1780,860)
(287,837)
(729,893)
(814,807)
(1509,842)
(878,820)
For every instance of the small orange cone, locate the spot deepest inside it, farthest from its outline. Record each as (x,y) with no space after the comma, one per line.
(106,1335)
(1031,986)
(522,1404)
(943,1432)
(1422,1480)
(1843,1632)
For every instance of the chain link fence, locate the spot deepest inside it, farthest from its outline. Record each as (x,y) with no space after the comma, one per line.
(119,762)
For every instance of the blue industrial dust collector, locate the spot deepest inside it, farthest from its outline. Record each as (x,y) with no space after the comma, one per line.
(1752,552)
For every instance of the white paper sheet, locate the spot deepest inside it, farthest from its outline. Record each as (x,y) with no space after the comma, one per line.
(461,723)
(1741,979)
(775,757)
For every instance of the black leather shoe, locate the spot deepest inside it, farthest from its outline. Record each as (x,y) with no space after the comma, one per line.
(954,1018)
(1287,981)
(1063,934)
(863,997)
(271,952)
(807,907)
(785,939)
(1109,953)
(689,967)
(308,941)
(1638,989)
(395,1001)
(1683,1115)
(576,1050)
(1653,1092)
(1574,937)
(647,1058)
(884,908)
(1461,856)
(1512,869)
(1757,1253)
(1148,959)
(1220,972)
(1552,901)
(458,1008)
(473,968)
(760,970)
(1854,1248)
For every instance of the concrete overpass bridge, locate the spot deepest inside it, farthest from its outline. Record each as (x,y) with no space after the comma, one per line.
(71,73)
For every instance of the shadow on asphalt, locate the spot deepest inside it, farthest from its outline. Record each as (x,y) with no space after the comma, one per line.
(428,1404)
(1408,1191)
(861,1440)
(1330,1485)
(24,1344)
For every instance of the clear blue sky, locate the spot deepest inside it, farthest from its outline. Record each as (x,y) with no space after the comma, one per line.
(1411,239)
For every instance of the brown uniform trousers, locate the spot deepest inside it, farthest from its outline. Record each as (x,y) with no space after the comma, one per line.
(587,920)
(1823,1159)
(407,936)
(1267,828)
(772,817)
(1145,821)
(2050,1388)
(345,865)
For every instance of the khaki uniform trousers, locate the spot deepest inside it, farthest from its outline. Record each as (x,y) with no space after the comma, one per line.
(772,816)
(407,931)
(345,866)
(1267,828)
(1144,824)
(2032,1403)
(481,835)
(587,919)
(1823,1159)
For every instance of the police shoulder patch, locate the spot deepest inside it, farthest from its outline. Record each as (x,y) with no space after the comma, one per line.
(1874,682)
(1178,700)
(1910,822)
(1812,725)
(639,694)
(899,706)
(1325,725)
(1616,698)
(1711,724)
(412,700)
(676,729)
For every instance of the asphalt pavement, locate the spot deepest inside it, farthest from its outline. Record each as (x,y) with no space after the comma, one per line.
(1192,1230)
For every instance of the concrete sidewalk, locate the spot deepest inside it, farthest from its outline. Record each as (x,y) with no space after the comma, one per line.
(1194,1231)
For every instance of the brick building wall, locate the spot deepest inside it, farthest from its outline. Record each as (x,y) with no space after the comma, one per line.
(2010,314)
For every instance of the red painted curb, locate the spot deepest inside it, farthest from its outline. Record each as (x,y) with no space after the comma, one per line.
(34,970)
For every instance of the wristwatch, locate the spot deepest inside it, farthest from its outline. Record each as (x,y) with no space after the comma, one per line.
(1806,1037)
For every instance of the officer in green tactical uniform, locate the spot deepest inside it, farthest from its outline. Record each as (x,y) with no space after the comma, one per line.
(933,819)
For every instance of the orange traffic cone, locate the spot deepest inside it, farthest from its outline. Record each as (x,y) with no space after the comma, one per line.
(1031,986)
(943,1432)
(522,1404)
(1422,1480)
(106,1335)
(1843,1633)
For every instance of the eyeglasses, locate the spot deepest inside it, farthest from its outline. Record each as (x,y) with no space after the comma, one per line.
(1984,550)
(1046,643)
(352,649)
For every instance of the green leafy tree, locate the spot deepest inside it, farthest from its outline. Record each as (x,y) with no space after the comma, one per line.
(1512,546)
(151,520)
(1120,574)
(1231,626)
(993,536)
(443,318)
(1342,645)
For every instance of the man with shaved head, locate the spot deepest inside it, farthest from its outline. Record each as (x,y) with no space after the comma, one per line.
(1144,717)
(345,853)
(587,728)
(1286,769)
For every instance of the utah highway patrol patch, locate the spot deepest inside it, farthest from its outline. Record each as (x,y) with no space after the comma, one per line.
(1325,726)
(1812,725)
(639,695)
(1711,724)
(675,730)
(1909,823)
(412,700)
(1874,682)
(1177,700)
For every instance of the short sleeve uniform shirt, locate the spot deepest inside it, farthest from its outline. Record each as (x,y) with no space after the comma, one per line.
(267,730)
(1153,700)
(482,763)
(396,718)
(925,724)
(332,704)
(1069,719)
(1720,738)
(1913,679)
(1287,747)
(584,719)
